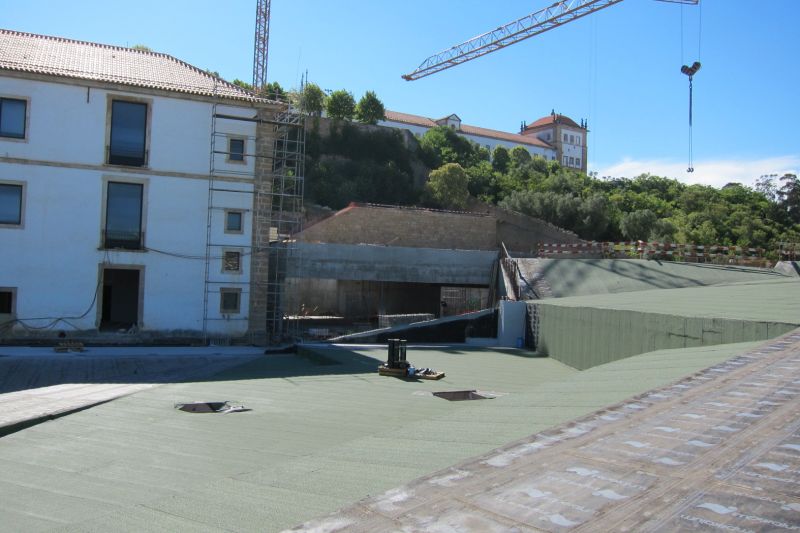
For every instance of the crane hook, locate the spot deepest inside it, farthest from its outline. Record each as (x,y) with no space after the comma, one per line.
(690,71)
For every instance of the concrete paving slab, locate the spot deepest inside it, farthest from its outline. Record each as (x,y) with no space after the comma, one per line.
(719,450)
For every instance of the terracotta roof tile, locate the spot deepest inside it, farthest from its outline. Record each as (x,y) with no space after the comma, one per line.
(57,56)
(406,118)
(416,120)
(549,119)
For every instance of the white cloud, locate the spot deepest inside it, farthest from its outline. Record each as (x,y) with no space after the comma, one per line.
(710,172)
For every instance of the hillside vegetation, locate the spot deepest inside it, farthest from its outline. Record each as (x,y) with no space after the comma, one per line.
(375,165)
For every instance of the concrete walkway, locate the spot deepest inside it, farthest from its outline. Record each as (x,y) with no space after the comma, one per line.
(37,384)
(718,451)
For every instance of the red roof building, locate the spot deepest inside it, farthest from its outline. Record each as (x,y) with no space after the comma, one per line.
(567,138)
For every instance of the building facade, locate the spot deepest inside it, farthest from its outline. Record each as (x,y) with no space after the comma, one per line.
(554,137)
(568,139)
(127,200)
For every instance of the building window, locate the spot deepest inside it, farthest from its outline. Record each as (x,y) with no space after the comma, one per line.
(10,204)
(7,300)
(123,216)
(230,301)
(231,262)
(578,162)
(127,145)
(572,161)
(12,118)
(565,137)
(565,161)
(234,221)
(236,150)
(578,140)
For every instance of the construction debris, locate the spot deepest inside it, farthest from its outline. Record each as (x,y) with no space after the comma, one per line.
(69,346)
(398,366)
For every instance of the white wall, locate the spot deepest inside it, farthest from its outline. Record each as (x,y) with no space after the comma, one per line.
(416,130)
(547,153)
(54,260)
(478,139)
(574,149)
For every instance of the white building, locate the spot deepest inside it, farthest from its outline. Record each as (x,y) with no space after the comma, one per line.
(542,138)
(567,138)
(126,192)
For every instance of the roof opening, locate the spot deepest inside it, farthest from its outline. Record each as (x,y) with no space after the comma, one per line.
(461,395)
(209,407)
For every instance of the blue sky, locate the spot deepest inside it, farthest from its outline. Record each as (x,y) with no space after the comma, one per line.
(619,68)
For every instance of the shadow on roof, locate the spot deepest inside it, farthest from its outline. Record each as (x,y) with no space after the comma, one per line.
(24,373)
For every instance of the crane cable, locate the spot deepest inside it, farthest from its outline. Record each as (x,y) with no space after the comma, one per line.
(690,71)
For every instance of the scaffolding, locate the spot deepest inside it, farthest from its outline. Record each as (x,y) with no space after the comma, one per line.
(285,201)
(275,162)
(219,187)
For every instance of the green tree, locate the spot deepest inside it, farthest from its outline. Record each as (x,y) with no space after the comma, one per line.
(638,224)
(765,184)
(789,196)
(448,186)
(369,109)
(594,217)
(312,99)
(501,159)
(442,145)
(519,156)
(239,83)
(663,230)
(340,105)
(482,181)
(274,91)
(145,48)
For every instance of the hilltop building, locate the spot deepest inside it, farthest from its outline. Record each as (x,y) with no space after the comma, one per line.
(555,137)
(134,192)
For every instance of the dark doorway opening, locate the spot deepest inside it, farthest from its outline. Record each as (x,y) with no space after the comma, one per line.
(120,299)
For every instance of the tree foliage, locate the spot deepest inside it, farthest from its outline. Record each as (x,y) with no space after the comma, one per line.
(312,99)
(274,91)
(369,109)
(448,186)
(340,105)
(353,165)
(441,145)
(637,225)
(501,159)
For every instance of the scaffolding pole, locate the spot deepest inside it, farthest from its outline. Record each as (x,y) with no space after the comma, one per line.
(285,216)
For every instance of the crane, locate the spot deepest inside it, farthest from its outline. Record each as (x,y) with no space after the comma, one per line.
(261,47)
(523,28)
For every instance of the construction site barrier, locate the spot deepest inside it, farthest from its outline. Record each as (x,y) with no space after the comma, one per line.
(648,250)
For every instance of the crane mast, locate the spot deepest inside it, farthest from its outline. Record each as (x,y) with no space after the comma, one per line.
(261,44)
(531,25)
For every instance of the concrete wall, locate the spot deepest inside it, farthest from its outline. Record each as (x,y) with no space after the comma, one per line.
(398,226)
(483,228)
(521,233)
(55,258)
(360,299)
(583,337)
(392,263)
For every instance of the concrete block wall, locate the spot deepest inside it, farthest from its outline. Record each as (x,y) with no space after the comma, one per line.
(521,233)
(409,227)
